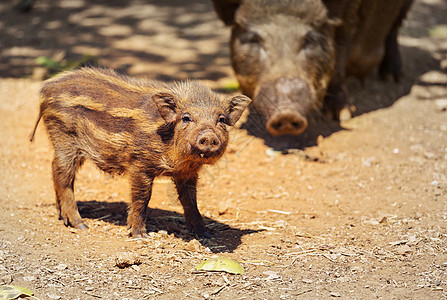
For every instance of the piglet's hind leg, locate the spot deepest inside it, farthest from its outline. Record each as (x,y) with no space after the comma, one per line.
(63,178)
(141,191)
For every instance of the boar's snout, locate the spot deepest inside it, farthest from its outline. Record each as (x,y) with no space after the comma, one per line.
(207,143)
(286,122)
(285,104)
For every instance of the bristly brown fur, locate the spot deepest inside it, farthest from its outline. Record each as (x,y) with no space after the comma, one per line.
(260,11)
(139,128)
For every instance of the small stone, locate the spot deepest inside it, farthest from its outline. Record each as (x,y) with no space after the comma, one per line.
(429,155)
(61,267)
(280,224)
(441,104)
(356,269)
(193,245)
(272,275)
(436,282)
(126,259)
(404,249)
(369,161)
(135,267)
(383,220)
(335,294)
(29,278)
(223,208)
(272,153)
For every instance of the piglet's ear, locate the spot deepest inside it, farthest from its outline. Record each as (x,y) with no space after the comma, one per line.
(226,9)
(166,106)
(236,106)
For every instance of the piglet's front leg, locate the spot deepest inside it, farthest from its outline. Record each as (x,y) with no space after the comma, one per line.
(187,192)
(141,191)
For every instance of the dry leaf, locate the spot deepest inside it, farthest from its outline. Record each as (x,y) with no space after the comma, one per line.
(221,263)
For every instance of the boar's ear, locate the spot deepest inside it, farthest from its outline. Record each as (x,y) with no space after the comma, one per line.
(226,9)
(166,106)
(236,106)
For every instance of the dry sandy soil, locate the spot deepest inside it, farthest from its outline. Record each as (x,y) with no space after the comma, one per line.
(359,213)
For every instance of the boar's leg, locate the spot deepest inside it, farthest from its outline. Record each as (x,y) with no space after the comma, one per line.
(64,171)
(187,192)
(391,62)
(141,191)
(336,102)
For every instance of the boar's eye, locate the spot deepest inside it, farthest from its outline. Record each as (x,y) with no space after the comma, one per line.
(255,38)
(252,38)
(311,40)
(221,119)
(186,118)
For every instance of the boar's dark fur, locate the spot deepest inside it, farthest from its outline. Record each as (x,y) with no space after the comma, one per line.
(292,56)
(142,129)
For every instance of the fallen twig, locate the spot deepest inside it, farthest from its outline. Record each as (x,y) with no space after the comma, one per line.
(257,262)
(300,253)
(103,217)
(217,291)
(303,292)
(279,212)
(91,294)
(324,255)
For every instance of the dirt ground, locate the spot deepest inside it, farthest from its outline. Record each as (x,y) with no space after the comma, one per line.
(359,213)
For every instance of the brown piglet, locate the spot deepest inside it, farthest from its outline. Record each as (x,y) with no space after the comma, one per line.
(142,129)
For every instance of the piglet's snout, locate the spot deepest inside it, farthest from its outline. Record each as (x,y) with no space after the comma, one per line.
(208,142)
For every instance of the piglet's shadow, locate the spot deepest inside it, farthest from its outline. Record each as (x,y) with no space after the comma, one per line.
(224,238)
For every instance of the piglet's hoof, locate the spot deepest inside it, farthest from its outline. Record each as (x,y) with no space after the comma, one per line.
(139,234)
(81,226)
(78,224)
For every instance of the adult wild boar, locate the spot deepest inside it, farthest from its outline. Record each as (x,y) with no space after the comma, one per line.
(143,129)
(292,56)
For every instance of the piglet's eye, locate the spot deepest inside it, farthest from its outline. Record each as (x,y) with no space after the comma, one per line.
(186,118)
(221,119)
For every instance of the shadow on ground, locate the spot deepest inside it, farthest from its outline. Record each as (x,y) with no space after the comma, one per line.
(159,39)
(224,238)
